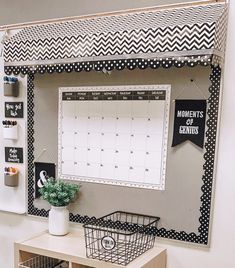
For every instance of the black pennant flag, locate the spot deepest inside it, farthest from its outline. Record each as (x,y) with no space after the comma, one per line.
(189,122)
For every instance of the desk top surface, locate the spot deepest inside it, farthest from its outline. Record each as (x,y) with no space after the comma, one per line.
(71,247)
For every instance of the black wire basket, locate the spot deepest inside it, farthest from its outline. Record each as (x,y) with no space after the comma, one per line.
(120,237)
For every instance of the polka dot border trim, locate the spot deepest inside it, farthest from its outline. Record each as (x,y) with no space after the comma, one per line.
(209,156)
(110,65)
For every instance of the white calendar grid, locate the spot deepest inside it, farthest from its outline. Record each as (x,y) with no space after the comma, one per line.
(121,142)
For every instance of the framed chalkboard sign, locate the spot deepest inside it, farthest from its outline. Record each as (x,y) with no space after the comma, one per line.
(14,109)
(13,154)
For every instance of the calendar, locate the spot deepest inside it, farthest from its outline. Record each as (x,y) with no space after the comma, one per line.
(114,135)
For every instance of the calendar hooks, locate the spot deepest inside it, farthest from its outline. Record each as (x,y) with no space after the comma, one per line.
(196,86)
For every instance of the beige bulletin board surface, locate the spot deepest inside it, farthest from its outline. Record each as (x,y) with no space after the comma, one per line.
(178,206)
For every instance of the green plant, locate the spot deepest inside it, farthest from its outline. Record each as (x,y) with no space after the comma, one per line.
(59,193)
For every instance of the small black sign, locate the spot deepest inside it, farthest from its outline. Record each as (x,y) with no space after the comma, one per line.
(13,155)
(189,122)
(43,171)
(14,109)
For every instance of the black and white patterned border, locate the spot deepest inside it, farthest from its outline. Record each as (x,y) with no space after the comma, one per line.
(187,30)
(110,65)
(209,156)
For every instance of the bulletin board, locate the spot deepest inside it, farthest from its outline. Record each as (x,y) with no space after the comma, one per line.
(125,48)
(188,179)
(114,135)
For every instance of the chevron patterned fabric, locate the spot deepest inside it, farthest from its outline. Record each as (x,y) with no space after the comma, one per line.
(173,32)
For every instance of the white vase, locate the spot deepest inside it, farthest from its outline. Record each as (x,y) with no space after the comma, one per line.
(58,220)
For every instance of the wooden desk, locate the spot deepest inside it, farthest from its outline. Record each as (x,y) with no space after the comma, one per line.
(71,248)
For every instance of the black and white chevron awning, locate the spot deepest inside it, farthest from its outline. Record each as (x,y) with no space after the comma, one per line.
(187,31)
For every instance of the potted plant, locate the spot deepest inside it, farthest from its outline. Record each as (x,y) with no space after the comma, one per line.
(59,194)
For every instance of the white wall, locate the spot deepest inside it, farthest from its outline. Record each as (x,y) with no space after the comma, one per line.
(15,11)
(221,252)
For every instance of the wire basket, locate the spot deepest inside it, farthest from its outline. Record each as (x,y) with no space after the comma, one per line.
(43,262)
(120,237)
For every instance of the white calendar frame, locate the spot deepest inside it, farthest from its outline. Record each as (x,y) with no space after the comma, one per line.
(155,186)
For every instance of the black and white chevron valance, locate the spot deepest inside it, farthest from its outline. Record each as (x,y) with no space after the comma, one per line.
(188,31)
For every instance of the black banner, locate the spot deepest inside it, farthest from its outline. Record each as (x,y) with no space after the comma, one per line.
(43,171)
(189,122)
